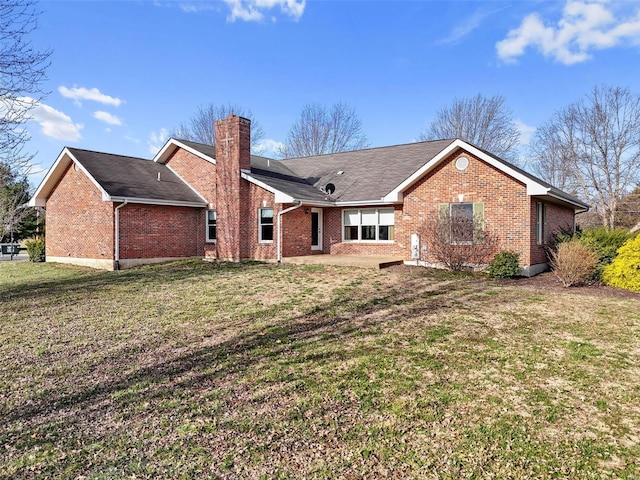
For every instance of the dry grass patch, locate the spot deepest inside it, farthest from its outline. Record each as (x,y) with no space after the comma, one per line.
(259,371)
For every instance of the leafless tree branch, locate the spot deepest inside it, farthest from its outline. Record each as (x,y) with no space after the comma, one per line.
(319,131)
(484,121)
(22,70)
(201,126)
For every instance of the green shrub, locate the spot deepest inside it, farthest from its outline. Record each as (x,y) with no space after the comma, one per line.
(35,249)
(505,264)
(573,262)
(605,244)
(624,271)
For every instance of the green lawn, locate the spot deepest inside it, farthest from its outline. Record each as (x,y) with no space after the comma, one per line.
(203,370)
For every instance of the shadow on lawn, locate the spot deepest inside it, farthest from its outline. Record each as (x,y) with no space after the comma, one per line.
(86,280)
(205,366)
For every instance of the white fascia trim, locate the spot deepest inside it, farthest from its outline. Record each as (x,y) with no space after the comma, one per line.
(153,201)
(280,197)
(533,187)
(369,203)
(580,208)
(161,156)
(54,174)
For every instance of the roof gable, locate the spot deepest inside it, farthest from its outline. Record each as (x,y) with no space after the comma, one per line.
(120,177)
(535,186)
(206,152)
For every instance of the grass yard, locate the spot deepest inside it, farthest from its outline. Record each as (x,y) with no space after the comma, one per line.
(203,370)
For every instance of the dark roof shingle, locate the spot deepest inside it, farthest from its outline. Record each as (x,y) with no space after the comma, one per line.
(131,177)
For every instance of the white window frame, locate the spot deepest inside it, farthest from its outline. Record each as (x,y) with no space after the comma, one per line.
(260,224)
(377,225)
(541,220)
(207,225)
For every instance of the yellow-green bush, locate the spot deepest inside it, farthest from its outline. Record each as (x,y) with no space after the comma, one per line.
(624,271)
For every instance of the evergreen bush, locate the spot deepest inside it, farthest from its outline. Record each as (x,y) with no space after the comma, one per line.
(36,249)
(605,244)
(505,264)
(624,271)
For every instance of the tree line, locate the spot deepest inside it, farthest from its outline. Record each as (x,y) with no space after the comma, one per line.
(590,148)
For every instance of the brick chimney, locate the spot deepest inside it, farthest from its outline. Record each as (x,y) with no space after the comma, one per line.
(233,155)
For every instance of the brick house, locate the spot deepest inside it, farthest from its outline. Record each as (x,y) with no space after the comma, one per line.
(194,200)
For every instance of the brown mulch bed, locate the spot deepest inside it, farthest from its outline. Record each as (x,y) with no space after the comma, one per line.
(549,282)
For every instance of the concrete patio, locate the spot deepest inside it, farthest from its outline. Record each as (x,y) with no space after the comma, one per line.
(361,261)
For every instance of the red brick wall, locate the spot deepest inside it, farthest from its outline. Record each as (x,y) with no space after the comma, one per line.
(197,172)
(154,231)
(79,223)
(557,219)
(200,174)
(232,156)
(506,203)
(332,242)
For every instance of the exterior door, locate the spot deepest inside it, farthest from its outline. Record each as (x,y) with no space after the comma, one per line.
(316,229)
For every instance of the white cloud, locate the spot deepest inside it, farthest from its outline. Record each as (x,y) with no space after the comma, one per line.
(80,93)
(107,118)
(253,10)
(468,25)
(584,26)
(157,140)
(56,124)
(268,147)
(526,132)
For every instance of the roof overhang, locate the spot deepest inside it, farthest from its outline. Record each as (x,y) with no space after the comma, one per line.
(555,197)
(66,158)
(534,187)
(155,201)
(280,197)
(172,145)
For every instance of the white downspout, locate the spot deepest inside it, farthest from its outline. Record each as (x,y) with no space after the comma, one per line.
(117,256)
(290,209)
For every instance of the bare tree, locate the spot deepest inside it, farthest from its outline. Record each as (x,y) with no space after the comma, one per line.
(14,212)
(484,121)
(628,215)
(319,131)
(458,241)
(22,70)
(201,126)
(548,155)
(597,142)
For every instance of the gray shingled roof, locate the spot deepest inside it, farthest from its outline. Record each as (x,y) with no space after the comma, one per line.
(367,175)
(132,177)
(277,175)
(358,176)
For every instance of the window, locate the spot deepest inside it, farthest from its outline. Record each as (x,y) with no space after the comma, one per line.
(212,219)
(462,223)
(541,219)
(265,226)
(368,225)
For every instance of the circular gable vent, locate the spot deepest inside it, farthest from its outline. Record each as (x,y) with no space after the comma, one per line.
(462,163)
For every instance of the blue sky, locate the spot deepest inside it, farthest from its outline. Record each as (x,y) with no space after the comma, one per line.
(126,73)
